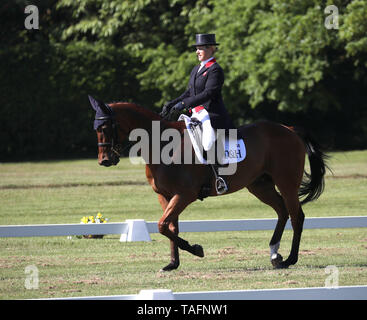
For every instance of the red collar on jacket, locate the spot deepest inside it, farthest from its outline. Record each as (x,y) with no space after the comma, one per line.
(210,63)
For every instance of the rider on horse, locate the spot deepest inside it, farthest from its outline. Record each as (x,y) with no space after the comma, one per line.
(204,93)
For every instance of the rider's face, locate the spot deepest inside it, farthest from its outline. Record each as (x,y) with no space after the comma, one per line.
(204,52)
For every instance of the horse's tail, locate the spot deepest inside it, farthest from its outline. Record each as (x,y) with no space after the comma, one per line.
(313,183)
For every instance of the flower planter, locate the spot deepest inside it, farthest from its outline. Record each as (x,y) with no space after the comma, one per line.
(93,236)
(91,219)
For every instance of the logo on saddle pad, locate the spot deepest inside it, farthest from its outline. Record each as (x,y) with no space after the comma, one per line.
(234,153)
(228,149)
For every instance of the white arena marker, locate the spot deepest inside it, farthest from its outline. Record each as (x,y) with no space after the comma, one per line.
(137,231)
(157,294)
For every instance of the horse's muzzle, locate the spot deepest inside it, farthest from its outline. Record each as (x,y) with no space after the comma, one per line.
(105,163)
(109,161)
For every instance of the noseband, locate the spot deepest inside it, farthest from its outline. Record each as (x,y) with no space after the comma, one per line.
(114,144)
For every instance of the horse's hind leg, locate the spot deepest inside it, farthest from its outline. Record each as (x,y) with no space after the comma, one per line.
(264,189)
(297,218)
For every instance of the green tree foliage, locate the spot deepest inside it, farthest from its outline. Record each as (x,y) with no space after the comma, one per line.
(45,82)
(279,55)
(280,51)
(280,62)
(151,31)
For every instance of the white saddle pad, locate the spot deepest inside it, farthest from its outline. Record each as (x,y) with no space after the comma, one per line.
(234,149)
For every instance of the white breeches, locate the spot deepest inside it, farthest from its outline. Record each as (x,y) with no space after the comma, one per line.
(208,131)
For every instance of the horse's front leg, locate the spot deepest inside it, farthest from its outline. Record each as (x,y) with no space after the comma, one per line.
(168,226)
(175,258)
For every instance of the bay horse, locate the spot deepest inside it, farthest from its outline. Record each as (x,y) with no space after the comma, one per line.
(275,158)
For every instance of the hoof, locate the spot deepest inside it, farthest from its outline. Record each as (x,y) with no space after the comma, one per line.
(169,267)
(289,262)
(198,250)
(277,261)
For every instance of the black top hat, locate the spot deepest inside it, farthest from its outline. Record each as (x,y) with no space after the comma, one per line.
(205,39)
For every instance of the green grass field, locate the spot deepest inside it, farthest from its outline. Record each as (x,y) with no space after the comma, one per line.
(65,191)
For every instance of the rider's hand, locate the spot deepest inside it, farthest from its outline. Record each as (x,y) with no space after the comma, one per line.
(178,107)
(166,109)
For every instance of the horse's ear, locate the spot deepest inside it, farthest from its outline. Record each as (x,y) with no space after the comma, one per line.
(94,103)
(99,106)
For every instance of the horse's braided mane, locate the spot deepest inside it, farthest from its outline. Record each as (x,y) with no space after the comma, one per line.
(175,124)
(132,104)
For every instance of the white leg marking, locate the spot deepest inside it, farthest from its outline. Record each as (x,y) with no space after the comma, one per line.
(274,250)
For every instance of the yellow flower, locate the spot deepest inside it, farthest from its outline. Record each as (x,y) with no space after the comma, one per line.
(84,220)
(97,219)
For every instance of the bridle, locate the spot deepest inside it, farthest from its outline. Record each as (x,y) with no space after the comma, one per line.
(116,147)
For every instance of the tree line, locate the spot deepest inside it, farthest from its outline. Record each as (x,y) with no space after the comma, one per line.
(281,61)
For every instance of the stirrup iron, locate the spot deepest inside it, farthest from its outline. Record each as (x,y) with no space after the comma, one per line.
(220,185)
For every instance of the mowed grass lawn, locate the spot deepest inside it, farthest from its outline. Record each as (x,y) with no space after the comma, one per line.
(65,191)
